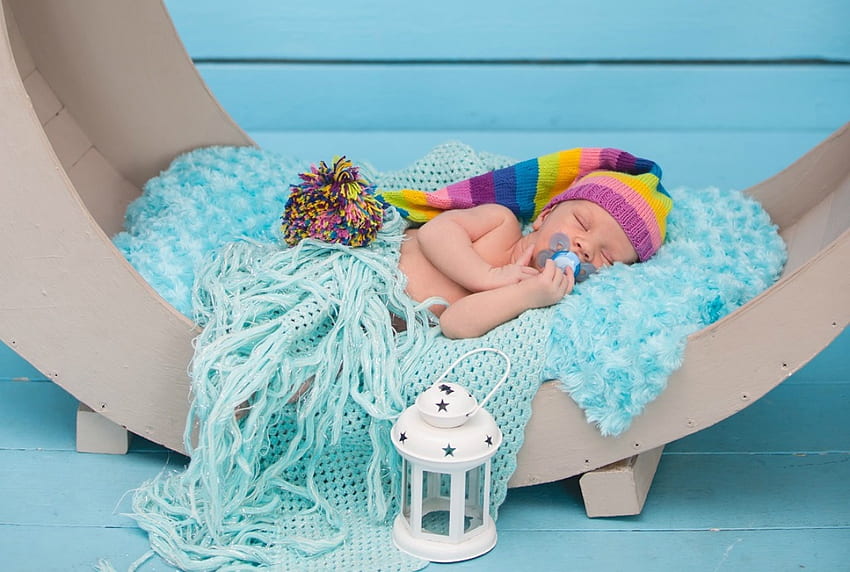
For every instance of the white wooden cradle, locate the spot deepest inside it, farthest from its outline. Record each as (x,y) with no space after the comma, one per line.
(96,98)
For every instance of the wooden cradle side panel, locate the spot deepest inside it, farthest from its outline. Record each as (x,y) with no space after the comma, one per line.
(810,200)
(122,71)
(69,302)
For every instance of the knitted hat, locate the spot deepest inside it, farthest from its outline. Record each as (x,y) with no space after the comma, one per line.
(638,202)
(528,187)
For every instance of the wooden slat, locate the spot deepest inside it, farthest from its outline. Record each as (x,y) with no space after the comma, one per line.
(41,413)
(498,29)
(104,191)
(41,416)
(325,97)
(788,419)
(69,142)
(620,488)
(695,158)
(768,491)
(618,549)
(806,236)
(122,72)
(839,216)
(23,58)
(35,548)
(96,485)
(729,491)
(44,101)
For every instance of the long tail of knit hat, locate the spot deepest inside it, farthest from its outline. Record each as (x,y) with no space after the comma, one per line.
(626,186)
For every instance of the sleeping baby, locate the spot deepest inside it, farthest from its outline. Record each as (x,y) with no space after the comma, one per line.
(603,205)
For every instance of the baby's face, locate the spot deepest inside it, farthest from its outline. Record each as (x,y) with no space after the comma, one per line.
(595,236)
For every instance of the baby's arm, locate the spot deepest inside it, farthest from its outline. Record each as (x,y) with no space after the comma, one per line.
(448,242)
(478,313)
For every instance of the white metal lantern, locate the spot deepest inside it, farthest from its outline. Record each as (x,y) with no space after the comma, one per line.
(446,440)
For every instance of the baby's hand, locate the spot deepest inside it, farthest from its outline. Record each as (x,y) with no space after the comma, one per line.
(548,287)
(508,274)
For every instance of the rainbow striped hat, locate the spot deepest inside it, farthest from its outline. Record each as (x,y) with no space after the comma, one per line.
(628,187)
(638,202)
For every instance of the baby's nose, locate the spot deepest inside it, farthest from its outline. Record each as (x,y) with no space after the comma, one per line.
(584,251)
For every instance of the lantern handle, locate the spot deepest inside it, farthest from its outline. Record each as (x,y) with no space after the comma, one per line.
(495,387)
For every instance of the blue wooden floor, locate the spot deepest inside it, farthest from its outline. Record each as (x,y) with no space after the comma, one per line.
(768,489)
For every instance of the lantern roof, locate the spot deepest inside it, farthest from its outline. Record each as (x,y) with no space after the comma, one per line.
(446,404)
(473,442)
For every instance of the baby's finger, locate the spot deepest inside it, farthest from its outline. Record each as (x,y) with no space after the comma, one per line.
(571,281)
(548,271)
(562,278)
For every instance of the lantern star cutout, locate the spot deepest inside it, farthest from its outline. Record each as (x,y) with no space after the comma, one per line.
(442,405)
(402,437)
(446,389)
(488,440)
(449,450)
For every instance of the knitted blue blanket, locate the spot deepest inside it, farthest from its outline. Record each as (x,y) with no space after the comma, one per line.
(611,350)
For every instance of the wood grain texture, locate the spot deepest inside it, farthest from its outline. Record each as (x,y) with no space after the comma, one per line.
(775,511)
(531,96)
(729,159)
(502,29)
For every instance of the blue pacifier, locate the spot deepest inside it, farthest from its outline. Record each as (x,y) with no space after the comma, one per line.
(559,251)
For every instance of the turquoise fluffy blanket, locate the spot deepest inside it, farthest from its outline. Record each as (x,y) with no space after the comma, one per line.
(612,343)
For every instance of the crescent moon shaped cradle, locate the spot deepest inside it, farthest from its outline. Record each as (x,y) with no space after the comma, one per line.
(98,97)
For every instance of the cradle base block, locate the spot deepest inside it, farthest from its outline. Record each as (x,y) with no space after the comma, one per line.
(620,489)
(97,434)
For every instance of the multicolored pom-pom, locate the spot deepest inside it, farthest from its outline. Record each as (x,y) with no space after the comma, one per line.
(333,205)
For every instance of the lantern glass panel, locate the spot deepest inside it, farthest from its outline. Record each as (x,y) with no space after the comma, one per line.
(474,505)
(436,488)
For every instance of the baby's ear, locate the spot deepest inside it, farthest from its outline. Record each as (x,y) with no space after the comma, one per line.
(538,222)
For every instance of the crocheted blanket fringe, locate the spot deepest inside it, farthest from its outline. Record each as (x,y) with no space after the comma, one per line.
(296,380)
(296,342)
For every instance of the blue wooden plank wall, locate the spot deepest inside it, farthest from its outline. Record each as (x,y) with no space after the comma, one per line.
(719,93)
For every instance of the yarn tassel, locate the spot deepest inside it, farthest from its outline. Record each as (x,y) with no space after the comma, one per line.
(303,337)
(333,205)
